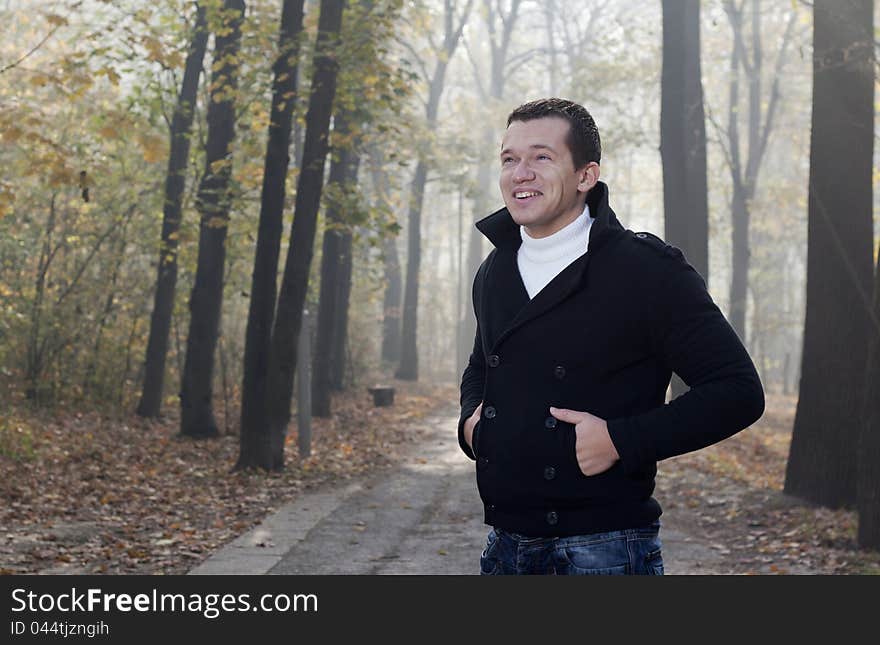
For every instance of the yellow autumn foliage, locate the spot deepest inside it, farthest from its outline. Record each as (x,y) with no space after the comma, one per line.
(153,147)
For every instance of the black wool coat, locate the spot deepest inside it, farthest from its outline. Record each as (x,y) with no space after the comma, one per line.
(604,337)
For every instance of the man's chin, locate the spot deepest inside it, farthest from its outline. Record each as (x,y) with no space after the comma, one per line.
(520,216)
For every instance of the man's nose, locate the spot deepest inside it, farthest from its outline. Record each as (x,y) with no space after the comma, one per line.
(523,172)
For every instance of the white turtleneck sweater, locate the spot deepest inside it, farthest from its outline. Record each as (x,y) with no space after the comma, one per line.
(542,259)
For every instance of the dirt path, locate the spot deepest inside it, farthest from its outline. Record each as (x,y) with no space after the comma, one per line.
(421,517)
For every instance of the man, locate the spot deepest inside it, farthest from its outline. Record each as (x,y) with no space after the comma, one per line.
(580,324)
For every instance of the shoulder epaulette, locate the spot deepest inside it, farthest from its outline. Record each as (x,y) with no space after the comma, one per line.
(658,244)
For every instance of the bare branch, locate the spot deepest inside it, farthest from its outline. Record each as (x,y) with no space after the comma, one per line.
(450,45)
(477,76)
(34,49)
(101,238)
(525,56)
(733,117)
(734,14)
(419,61)
(722,135)
(774,92)
(508,21)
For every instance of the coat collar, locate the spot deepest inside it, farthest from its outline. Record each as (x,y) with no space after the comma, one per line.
(503,232)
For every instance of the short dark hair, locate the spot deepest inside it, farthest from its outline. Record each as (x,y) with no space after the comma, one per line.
(583,135)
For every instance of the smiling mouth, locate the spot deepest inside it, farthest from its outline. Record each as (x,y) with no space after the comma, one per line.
(526,194)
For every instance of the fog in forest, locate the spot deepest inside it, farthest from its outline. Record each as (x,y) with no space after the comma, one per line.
(90,86)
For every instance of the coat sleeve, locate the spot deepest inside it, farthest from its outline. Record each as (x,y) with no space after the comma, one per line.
(691,337)
(474,378)
(472,382)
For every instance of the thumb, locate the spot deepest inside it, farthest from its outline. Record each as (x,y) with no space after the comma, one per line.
(568,416)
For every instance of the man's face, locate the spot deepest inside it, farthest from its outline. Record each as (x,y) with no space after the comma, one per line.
(540,185)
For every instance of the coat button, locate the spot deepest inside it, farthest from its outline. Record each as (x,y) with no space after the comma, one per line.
(552,518)
(489,412)
(559,372)
(482,463)
(549,473)
(494,360)
(550,423)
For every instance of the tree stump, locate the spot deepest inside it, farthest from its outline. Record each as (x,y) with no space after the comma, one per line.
(383,395)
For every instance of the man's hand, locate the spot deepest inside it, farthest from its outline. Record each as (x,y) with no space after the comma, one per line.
(470,424)
(595,450)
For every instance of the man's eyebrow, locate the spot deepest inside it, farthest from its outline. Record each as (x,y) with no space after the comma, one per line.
(534,146)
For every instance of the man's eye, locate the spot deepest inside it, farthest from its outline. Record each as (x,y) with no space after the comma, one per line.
(543,156)
(507,160)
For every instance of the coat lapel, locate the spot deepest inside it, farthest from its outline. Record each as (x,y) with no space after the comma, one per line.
(512,303)
(557,290)
(506,299)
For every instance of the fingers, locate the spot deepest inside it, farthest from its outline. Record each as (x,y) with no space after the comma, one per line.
(569,416)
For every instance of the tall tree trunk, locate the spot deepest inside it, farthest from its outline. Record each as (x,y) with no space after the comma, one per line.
(409,357)
(197,414)
(166,283)
(35,363)
(683,134)
(340,180)
(822,462)
(868,498)
(740,255)
(408,369)
(391,302)
(294,283)
(683,139)
(743,189)
(339,356)
(391,265)
(499,46)
(255,448)
(549,15)
(475,253)
(761,110)
(339,359)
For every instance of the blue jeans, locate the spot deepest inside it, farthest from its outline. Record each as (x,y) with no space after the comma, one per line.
(625,552)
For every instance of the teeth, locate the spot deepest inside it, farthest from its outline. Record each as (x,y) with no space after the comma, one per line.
(524,194)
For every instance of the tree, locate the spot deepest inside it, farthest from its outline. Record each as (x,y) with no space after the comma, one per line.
(822,462)
(358,104)
(339,335)
(552,71)
(175,179)
(213,204)
(335,255)
(392,278)
(683,139)
(452,27)
(500,25)
(868,497)
(762,111)
(291,298)
(254,449)
(90,151)
(683,134)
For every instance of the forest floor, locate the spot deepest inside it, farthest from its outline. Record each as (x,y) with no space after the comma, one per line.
(730,495)
(89,493)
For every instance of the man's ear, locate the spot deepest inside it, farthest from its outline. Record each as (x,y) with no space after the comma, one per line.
(588,176)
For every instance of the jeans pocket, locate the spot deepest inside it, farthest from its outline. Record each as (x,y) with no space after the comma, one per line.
(605,558)
(489,561)
(654,563)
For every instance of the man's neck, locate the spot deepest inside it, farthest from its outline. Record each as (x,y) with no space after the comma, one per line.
(537,233)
